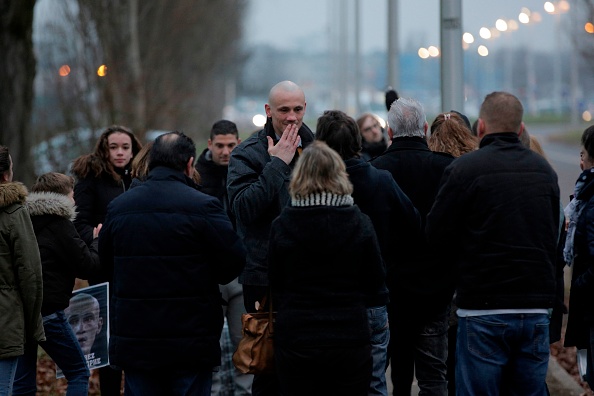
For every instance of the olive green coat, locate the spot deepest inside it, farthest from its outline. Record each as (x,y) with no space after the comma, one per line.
(21,289)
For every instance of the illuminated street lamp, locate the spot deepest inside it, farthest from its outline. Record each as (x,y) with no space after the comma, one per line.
(589,27)
(468,38)
(501,25)
(423,53)
(102,71)
(64,70)
(524,16)
(482,50)
(485,33)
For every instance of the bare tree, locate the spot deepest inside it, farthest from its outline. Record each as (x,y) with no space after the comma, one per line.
(17,72)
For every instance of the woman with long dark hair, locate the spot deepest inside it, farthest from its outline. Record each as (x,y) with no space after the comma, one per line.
(101,176)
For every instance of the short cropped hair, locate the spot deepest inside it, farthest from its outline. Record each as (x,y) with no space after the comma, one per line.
(588,141)
(54,182)
(407,118)
(172,150)
(319,169)
(340,132)
(223,127)
(502,112)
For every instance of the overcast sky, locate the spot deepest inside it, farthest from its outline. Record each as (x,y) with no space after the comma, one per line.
(290,23)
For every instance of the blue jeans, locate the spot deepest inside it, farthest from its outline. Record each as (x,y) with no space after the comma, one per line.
(62,346)
(7,370)
(502,354)
(160,382)
(380,337)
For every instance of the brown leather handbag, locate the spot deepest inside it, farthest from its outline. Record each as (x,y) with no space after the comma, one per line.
(255,351)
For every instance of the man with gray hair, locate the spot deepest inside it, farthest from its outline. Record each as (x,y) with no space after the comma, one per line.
(420,284)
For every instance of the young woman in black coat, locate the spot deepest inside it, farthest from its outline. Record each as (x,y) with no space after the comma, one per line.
(101,176)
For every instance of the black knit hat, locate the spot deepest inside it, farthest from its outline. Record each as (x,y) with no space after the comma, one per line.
(391,97)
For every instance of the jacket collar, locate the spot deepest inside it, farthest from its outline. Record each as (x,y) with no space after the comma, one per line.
(408,143)
(506,137)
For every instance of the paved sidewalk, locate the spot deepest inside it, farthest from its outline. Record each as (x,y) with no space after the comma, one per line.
(559,381)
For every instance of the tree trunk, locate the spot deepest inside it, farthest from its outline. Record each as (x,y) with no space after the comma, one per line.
(17,71)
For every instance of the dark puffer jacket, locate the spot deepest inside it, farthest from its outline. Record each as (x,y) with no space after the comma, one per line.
(64,255)
(170,246)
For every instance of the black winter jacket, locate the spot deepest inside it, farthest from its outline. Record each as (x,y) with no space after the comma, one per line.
(497,215)
(325,263)
(258,190)
(92,195)
(170,246)
(214,180)
(421,282)
(396,221)
(64,255)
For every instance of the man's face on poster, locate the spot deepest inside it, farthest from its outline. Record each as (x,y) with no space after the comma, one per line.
(83,316)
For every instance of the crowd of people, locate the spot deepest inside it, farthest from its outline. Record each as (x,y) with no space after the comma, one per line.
(437,250)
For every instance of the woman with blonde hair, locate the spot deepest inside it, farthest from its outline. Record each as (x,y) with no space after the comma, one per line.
(449,134)
(324,265)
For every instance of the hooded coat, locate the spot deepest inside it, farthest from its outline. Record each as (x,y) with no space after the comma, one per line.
(64,255)
(21,284)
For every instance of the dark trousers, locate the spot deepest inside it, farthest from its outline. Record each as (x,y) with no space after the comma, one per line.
(110,381)
(263,384)
(418,346)
(323,371)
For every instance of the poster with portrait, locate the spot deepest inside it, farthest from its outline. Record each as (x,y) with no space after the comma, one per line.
(88,316)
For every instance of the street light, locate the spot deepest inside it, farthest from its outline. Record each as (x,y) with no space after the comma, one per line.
(501,25)
(485,33)
(589,27)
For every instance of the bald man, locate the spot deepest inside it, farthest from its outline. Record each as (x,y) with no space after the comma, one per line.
(257,185)
(83,314)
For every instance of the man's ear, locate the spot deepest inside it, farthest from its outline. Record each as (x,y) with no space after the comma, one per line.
(480,128)
(390,133)
(267,109)
(522,127)
(189,167)
(209,144)
(425,128)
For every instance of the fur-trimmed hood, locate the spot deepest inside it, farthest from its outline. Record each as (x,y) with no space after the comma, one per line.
(49,203)
(11,193)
